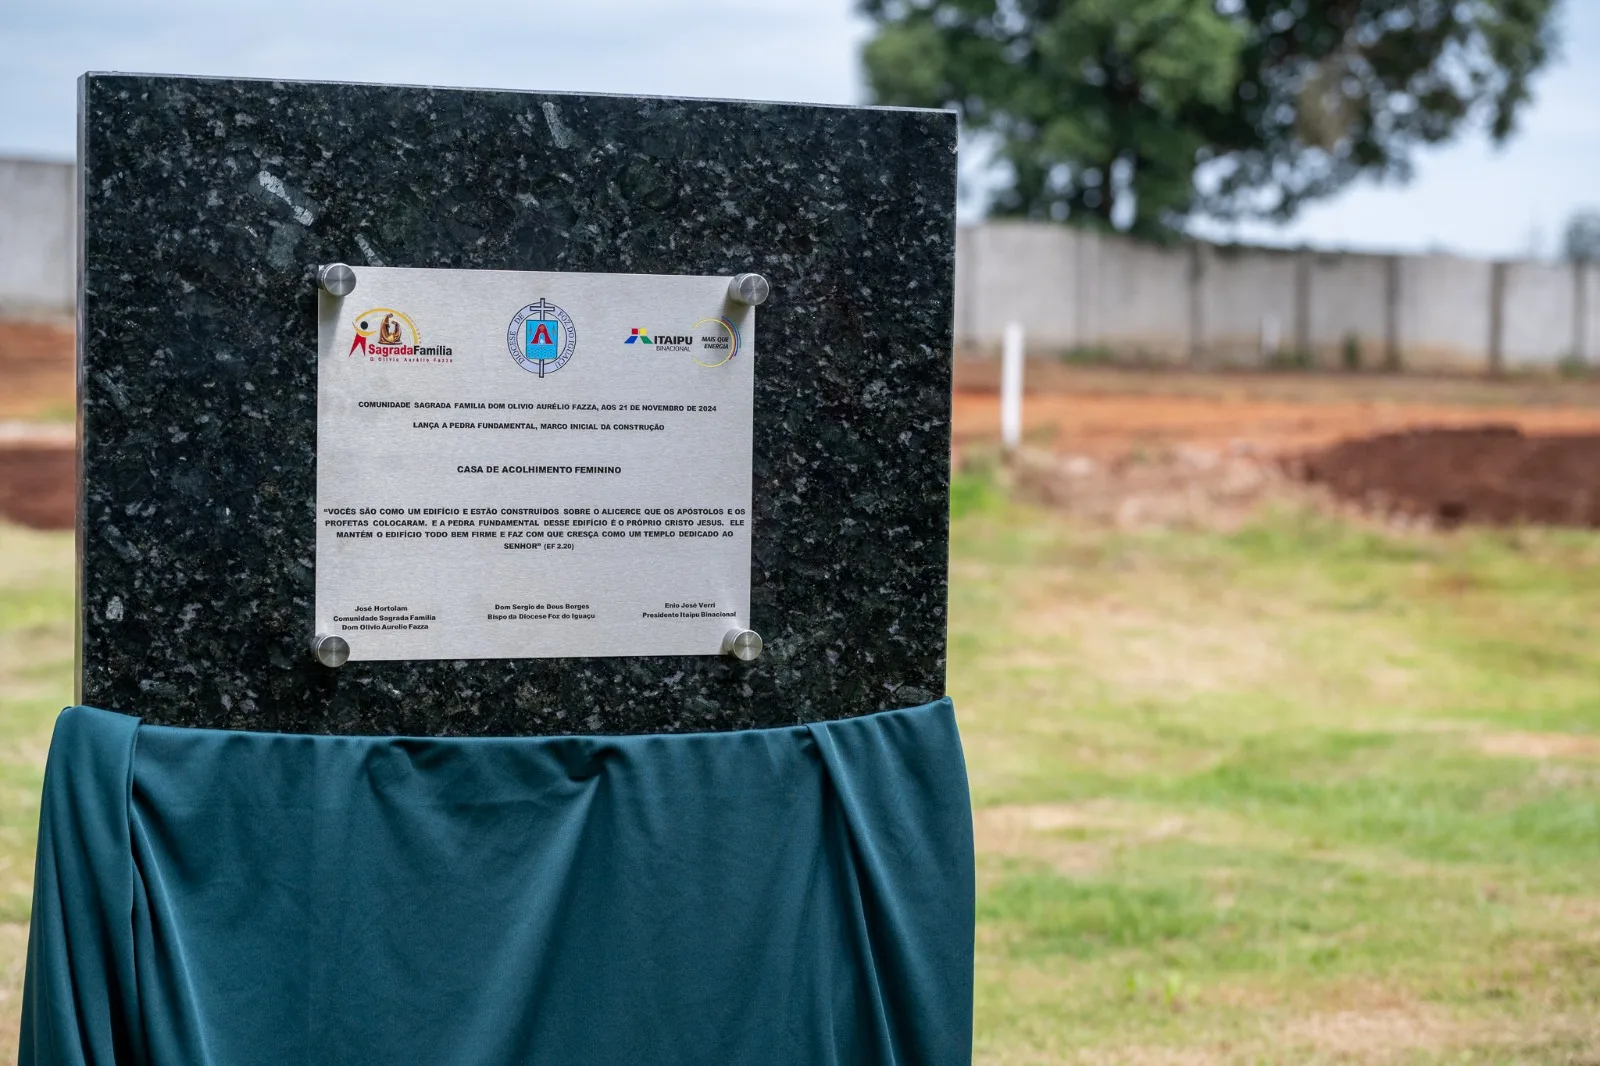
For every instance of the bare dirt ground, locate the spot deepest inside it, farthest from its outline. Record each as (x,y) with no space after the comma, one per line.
(36,371)
(1494,475)
(38,470)
(37,397)
(1132,447)
(1108,414)
(1136,448)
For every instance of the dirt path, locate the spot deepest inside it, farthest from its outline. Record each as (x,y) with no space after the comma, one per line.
(1115,414)
(1113,442)
(1139,448)
(38,392)
(38,476)
(36,371)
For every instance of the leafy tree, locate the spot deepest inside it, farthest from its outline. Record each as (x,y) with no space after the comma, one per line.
(1142,112)
(1581,242)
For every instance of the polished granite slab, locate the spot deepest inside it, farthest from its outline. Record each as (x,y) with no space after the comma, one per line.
(207,205)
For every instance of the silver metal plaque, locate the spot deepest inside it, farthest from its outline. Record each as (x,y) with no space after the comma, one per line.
(532,465)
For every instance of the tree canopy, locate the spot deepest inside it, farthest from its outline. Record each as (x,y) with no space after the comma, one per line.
(1581,241)
(1139,113)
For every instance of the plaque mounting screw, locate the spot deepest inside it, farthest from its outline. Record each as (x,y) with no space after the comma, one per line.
(742,644)
(337,279)
(749,289)
(332,651)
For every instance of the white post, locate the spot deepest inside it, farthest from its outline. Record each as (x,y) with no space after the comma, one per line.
(1011,388)
(1271,337)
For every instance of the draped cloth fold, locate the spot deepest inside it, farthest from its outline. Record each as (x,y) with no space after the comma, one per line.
(801,895)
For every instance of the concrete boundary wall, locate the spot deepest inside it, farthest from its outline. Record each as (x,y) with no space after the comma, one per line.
(1210,305)
(38,238)
(1138,299)
(1587,316)
(1250,301)
(1539,318)
(1003,272)
(1074,290)
(1349,321)
(1445,318)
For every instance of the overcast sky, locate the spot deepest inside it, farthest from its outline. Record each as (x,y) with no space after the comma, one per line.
(1467,197)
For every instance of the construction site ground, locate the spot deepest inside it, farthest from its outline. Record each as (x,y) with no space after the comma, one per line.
(1123,445)
(1108,413)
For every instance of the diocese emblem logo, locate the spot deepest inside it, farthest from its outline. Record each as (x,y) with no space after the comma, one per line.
(541,338)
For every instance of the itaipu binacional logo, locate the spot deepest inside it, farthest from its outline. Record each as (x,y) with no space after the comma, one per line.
(710,341)
(386,335)
(541,338)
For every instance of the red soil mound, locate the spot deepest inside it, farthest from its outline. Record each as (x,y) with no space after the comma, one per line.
(36,371)
(38,484)
(1495,475)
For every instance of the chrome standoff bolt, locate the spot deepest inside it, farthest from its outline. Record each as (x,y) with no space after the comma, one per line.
(337,279)
(742,644)
(749,289)
(329,650)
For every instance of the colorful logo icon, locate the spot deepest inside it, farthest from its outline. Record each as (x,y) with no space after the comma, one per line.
(709,342)
(383,333)
(718,342)
(541,338)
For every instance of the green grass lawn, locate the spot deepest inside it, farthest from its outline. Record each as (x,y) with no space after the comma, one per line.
(35,682)
(1298,794)
(1302,793)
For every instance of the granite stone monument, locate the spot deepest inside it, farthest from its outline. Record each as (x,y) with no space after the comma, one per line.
(227,440)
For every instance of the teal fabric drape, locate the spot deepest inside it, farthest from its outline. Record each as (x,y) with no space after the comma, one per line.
(800,896)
